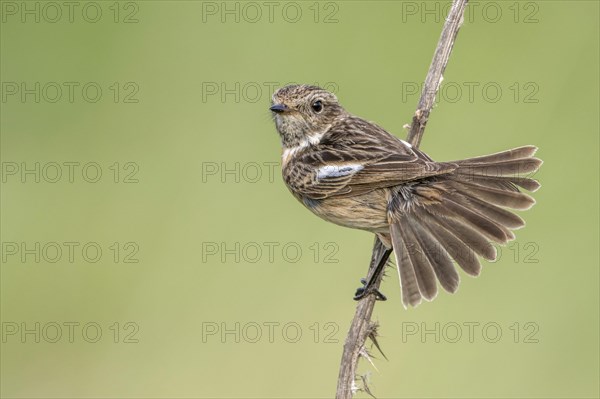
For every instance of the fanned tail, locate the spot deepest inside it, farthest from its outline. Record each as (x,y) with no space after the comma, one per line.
(458,216)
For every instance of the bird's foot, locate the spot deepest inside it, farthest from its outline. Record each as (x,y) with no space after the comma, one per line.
(365,290)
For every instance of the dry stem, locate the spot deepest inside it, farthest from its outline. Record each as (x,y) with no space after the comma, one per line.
(362,327)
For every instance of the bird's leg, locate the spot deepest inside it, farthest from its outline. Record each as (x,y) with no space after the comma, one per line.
(380,255)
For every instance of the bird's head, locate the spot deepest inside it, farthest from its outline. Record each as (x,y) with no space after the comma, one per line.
(302,113)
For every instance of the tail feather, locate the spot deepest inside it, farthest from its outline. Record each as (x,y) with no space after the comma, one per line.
(421,266)
(408,280)
(516,153)
(479,215)
(500,216)
(512,167)
(526,183)
(509,183)
(471,237)
(438,258)
(496,196)
(457,217)
(481,223)
(456,248)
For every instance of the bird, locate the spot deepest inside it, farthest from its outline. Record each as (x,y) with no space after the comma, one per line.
(432,215)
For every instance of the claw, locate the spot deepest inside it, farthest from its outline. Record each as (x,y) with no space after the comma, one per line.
(379,296)
(368,283)
(362,292)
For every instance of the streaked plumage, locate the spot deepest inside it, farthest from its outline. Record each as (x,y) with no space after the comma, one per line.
(353,173)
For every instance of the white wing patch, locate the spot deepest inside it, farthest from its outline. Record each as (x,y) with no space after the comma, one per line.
(329,171)
(406,143)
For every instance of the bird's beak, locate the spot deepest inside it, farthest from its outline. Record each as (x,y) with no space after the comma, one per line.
(279,108)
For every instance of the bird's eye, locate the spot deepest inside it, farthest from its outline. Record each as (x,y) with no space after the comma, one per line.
(317,106)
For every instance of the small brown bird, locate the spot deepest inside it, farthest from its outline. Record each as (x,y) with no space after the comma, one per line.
(355,174)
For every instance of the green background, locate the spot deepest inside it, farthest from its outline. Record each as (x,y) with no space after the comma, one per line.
(176,132)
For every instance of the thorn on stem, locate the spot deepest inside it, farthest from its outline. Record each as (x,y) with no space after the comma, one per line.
(373,334)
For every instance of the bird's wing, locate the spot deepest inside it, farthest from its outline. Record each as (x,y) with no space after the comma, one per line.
(355,157)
